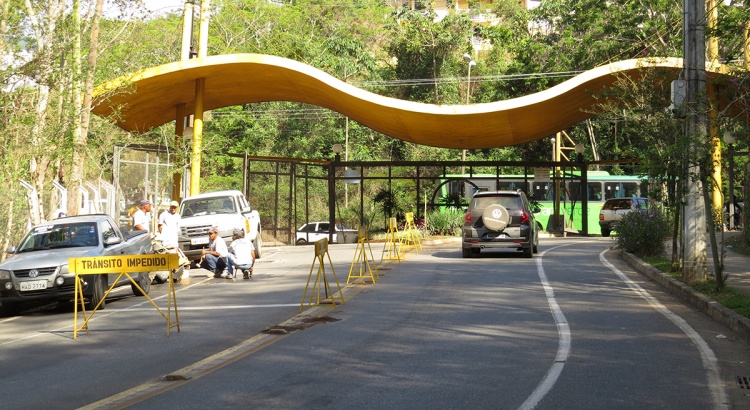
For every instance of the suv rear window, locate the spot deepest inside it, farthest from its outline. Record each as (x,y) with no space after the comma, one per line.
(618,204)
(509,202)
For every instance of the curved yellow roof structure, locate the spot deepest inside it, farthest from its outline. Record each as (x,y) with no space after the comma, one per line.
(150,98)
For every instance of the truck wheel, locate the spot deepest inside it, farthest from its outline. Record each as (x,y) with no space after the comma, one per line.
(11,309)
(97,293)
(144,282)
(258,244)
(605,232)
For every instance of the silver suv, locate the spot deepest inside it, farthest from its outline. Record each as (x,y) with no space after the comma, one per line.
(615,208)
(500,219)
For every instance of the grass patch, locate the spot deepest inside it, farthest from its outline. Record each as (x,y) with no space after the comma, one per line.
(729,297)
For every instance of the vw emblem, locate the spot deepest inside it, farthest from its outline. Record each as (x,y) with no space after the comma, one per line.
(497,213)
(33,273)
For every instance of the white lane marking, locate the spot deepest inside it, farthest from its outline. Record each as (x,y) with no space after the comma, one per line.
(710,363)
(563,346)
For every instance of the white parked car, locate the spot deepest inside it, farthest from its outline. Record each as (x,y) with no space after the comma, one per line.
(315,231)
(615,208)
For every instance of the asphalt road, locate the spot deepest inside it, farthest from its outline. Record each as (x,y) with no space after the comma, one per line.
(571,328)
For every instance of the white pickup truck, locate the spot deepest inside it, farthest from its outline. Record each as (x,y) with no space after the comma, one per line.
(226,210)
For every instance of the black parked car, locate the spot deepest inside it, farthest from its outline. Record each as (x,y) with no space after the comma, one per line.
(500,219)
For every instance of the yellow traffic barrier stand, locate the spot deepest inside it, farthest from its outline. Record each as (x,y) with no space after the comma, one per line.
(321,249)
(411,234)
(391,248)
(366,270)
(123,266)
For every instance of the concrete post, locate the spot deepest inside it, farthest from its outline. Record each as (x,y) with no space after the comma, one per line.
(696,128)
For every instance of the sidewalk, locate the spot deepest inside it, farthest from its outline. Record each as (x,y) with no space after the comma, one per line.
(737,269)
(736,265)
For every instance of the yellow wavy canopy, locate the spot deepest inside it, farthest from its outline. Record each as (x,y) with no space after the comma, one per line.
(150,98)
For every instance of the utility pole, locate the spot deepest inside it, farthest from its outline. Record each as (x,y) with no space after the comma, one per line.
(696,129)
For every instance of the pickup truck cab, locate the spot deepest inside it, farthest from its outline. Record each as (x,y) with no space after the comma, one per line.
(615,208)
(226,210)
(38,269)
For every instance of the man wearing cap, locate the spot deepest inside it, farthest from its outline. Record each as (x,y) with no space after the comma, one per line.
(142,217)
(241,255)
(214,258)
(170,222)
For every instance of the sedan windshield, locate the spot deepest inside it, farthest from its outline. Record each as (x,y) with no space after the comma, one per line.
(60,236)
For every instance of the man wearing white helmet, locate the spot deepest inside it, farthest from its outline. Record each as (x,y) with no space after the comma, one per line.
(241,255)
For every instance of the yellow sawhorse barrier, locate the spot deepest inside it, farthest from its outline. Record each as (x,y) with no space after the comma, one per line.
(410,236)
(125,265)
(321,249)
(391,248)
(360,258)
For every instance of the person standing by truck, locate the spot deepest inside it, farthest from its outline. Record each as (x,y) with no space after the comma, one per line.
(170,222)
(214,258)
(142,217)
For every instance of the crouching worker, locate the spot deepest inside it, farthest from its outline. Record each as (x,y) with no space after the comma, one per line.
(214,258)
(241,255)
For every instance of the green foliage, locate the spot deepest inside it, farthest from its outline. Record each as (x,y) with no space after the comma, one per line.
(727,296)
(445,222)
(454,200)
(388,203)
(643,233)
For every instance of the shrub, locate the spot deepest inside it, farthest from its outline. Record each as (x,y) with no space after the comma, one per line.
(445,222)
(643,233)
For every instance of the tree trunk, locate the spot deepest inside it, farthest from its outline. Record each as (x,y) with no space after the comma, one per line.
(83,117)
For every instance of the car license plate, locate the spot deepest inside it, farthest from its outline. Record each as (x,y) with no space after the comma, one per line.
(199,241)
(34,285)
(497,235)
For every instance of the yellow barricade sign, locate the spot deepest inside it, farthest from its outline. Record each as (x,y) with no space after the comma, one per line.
(366,269)
(321,286)
(391,248)
(123,266)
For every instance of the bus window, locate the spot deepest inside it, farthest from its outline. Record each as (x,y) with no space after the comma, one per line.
(620,189)
(574,191)
(542,191)
(630,189)
(594,191)
(511,186)
(612,190)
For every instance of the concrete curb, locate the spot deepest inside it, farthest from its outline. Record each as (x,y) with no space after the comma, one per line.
(716,311)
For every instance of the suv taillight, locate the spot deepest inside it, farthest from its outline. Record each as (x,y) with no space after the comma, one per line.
(467,218)
(524,217)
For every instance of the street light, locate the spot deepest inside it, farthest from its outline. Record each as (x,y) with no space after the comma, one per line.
(730,140)
(470,60)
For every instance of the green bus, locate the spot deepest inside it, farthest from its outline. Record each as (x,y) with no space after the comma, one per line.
(600,186)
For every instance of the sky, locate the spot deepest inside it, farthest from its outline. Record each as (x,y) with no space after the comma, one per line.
(166,4)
